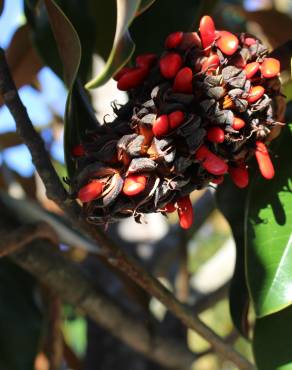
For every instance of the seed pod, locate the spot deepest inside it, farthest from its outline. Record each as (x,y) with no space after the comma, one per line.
(173,40)
(183,81)
(239,176)
(161,126)
(170,64)
(264,161)
(134,184)
(227,42)
(215,134)
(270,67)
(185,212)
(90,191)
(207,31)
(255,93)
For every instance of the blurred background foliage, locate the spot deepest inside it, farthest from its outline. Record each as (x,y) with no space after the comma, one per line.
(198,266)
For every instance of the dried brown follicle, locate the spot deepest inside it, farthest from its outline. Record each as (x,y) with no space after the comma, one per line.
(196,112)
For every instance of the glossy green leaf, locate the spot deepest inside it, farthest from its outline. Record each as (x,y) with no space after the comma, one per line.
(227,196)
(20,319)
(67,41)
(272,342)
(269,233)
(123,46)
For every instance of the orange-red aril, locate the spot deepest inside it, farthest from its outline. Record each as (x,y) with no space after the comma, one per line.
(239,176)
(211,63)
(183,81)
(173,40)
(170,64)
(161,126)
(251,69)
(238,123)
(210,161)
(207,31)
(264,161)
(270,67)
(227,42)
(146,60)
(134,184)
(90,191)
(185,212)
(215,134)
(132,78)
(176,118)
(255,93)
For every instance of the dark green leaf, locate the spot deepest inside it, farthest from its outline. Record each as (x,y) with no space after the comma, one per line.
(272,341)
(144,5)
(231,202)
(20,319)
(163,17)
(269,233)
(123,46)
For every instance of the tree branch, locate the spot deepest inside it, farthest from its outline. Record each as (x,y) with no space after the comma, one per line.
(24,235)
(63,277)
(116,257)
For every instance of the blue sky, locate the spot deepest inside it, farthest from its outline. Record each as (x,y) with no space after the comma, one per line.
(39,105)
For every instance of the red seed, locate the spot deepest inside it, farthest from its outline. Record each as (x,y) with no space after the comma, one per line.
(218,180)
(207,31)
(255,93)
(185,212)
(270,67)
(249,41)
(215,134)
(251,69)
(190,40)
(169,208)
(210,161)
(78,150)
(146,60)
(121,72)
(170,64)
(227,42)
(134,184)
(264,161)
(161,126)
(238,123)
(239,176)
(176,118)
(173,40)
(183,81)
(132,78)
(211,63)
(90,191)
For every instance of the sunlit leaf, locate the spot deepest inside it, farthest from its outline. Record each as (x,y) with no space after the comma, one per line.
(269,233)
(123,46)
(272,341)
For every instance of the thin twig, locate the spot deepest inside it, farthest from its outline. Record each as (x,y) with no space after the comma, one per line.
(64,278)
(24,235)
(55,337)
(116,256)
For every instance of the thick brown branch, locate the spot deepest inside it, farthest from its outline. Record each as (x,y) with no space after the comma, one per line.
(116,257)
(68,282)
(24,235)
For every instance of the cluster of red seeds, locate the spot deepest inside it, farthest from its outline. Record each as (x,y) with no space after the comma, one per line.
(197,112)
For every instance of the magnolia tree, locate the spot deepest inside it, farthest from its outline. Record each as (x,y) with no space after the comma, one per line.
(205,110)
